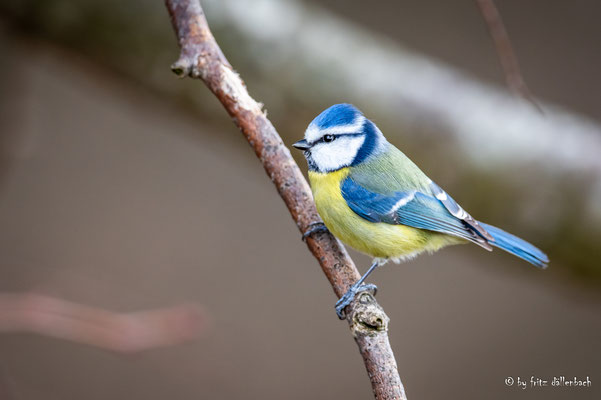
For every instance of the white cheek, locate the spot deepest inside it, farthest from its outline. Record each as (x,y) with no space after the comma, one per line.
(337,154)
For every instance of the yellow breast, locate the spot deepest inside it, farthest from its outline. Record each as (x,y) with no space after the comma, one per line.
(375,239)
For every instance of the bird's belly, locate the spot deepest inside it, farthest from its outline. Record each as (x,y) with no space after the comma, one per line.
(375,239)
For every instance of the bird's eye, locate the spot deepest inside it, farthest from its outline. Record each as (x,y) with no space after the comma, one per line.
(328,138)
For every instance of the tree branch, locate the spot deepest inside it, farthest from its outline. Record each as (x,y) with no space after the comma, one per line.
(119,332)
(507,58)
(202,58)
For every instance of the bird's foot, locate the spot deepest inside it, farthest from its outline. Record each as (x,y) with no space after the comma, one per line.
(348,297)
(314,228)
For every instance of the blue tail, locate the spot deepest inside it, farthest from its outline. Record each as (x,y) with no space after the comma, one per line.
(516,246)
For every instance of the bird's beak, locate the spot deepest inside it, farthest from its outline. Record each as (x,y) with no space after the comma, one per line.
(301,145)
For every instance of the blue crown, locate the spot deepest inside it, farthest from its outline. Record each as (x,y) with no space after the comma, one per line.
(338,114)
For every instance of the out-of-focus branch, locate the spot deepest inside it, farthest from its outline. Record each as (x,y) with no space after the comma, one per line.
(202,58)
(120,332)
(507,58)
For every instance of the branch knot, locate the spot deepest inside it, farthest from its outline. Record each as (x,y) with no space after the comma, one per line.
(367,318)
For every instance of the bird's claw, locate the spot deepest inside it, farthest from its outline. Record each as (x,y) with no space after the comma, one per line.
(314,228)
(348,297)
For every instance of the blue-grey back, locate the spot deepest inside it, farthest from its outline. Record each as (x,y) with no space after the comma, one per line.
(390,171)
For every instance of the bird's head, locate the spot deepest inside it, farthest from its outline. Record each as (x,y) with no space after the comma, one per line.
(340,137)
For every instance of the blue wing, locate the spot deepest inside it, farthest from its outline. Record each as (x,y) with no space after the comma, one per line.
(411,208)
(458,212)
(439,213)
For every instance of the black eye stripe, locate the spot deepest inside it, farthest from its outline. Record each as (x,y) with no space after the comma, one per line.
(322,139)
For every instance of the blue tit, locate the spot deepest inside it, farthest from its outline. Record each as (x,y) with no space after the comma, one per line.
(375,199)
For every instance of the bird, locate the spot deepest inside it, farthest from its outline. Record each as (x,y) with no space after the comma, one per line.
(372,197)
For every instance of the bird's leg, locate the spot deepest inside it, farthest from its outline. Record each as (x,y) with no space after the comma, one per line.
(348,297)
(314,228)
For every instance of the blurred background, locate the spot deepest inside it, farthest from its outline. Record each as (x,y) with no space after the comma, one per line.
(124,189)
